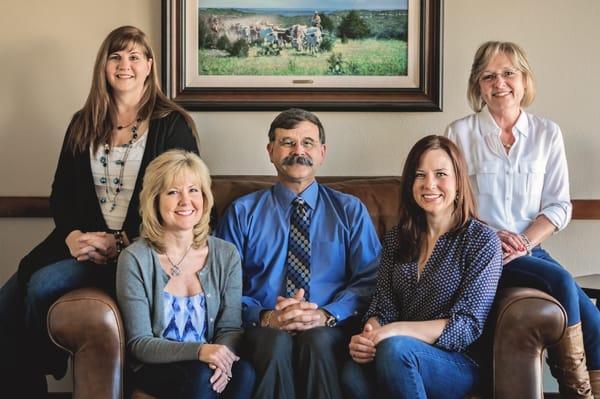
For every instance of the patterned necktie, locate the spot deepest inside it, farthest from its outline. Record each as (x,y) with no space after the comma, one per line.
(298,254)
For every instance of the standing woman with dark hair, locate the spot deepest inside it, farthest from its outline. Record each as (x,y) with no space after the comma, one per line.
(125,123)
(435,286)
(518,168)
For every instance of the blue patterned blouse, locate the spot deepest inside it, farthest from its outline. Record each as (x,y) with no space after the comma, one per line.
(458,282)
(185,318)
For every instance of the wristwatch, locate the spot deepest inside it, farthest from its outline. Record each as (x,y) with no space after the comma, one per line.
(330,320)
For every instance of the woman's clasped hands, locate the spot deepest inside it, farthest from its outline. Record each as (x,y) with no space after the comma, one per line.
(362,346)
(513,245)
(98,247)
(220,359)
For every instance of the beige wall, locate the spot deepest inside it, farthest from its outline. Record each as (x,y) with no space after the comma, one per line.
(47,50)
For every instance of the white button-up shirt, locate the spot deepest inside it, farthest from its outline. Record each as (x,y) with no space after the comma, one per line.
(532,179)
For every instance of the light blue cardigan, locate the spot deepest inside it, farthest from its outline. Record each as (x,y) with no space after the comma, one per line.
(140,284)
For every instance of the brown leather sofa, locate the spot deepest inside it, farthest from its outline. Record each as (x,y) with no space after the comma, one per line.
(87,322)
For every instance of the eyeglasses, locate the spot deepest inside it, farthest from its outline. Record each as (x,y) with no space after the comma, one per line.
(508,74)
(307,144)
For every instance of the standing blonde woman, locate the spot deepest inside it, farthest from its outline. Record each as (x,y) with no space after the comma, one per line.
(125,122)
(180,290)
(519,172)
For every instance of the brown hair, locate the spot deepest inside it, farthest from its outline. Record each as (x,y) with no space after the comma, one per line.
(290,118)
(413,222)
(161,172)
(484,55)
(92,125)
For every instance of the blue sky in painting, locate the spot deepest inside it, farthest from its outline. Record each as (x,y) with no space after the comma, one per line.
(316,4)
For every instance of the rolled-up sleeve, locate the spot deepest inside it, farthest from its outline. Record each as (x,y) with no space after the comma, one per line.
(467,317)
(556,202)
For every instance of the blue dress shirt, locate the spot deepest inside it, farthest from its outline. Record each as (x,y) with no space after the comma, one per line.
(345,249)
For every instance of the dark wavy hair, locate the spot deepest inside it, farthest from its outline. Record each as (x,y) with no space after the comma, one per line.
(413,222)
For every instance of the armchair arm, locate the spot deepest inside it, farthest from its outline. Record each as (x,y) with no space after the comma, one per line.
(87,323)
(526,322)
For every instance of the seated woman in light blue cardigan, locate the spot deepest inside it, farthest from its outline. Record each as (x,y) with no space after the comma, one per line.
(180,290)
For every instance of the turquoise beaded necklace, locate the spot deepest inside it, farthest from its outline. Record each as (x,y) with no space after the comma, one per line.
(118,181)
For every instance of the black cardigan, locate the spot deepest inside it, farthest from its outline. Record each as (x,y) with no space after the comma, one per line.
(74,203)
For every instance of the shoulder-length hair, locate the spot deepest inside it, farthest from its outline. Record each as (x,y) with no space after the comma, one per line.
(161,173)
(484,55)
(413,222)
(92,125)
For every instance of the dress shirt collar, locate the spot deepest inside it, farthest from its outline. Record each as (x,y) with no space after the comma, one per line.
(285,196)
(488,124)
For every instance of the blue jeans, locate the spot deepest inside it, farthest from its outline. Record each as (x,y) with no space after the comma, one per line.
(542,272)
(190,380)
(405,367)
(19,376)
(43,289)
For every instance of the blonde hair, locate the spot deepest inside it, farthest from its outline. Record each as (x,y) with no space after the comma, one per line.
(92,125)
(484,55)
(161,172)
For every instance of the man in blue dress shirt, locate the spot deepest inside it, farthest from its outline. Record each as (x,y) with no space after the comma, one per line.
(296,340)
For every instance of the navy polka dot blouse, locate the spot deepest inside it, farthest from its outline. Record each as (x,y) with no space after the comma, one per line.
(458,283)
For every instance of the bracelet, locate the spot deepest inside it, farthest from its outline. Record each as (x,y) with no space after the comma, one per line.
(267,322)
(119,240)
(527,243)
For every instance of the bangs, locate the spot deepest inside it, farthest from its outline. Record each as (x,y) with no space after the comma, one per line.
(180,171)
(128,42)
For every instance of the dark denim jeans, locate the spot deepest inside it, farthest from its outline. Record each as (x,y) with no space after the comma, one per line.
(19,376)
(190,380)
(405,367)
(541,271)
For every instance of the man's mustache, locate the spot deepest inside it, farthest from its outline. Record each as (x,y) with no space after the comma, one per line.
(297,159)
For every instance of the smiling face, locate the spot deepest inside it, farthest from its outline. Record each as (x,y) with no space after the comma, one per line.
(502,85)
(180,204)
(434,188)
(127,70)
(297,153)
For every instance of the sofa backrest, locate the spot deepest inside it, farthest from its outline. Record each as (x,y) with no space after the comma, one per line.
(381,195)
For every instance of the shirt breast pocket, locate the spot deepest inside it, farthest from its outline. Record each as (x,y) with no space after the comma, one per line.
(486,176)
(327,257)
(530,178)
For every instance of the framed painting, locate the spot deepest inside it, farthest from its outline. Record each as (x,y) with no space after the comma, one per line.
(337,55)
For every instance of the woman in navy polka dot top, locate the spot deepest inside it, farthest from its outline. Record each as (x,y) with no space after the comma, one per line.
(436,283)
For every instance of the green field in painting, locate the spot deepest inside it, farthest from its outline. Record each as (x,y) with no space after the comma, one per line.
(366,57)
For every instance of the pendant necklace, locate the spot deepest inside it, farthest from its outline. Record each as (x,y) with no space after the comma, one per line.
(118,181)
(175,269)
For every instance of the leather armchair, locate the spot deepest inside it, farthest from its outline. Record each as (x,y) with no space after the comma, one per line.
(87,322)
